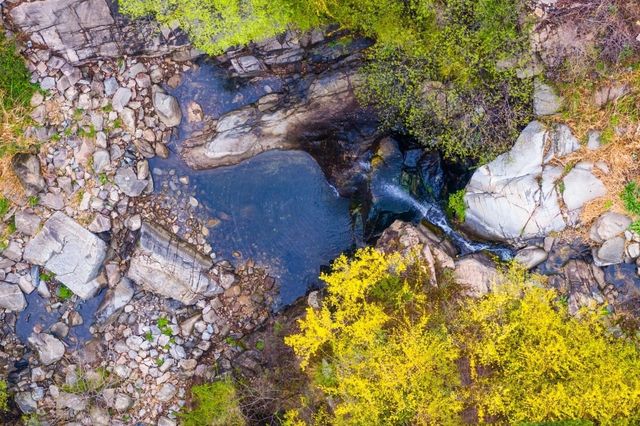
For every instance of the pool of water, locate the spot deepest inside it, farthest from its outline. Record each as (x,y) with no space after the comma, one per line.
(277,209)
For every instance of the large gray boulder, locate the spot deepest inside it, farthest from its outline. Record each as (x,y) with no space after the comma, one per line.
(512,197)
(517,195)
(85,30)
(166,265)
(72,253)
(50,349)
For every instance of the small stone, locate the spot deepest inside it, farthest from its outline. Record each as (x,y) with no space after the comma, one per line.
(121,98)
(50,350)
(166,392)
(610,253)
(545,99)
(122,402)
(27,223)
(11,298)
(594,140)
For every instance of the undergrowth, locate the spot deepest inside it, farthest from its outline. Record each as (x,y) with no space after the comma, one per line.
(214,404)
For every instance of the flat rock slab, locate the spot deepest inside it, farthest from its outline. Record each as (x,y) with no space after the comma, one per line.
(166,265)
(72,253)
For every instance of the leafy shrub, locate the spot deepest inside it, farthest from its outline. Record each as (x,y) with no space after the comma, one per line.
(476,110)
(215,404)
(379,356)
(456,206)
(385,353)
(15,93)
(532,361)
(215,25)
(64,293)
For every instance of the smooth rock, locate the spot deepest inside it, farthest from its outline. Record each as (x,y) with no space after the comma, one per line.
(71,401)
(580,187)
(166,265)
(71,252)
(166,107)
(11,297)
(27,169)
(115,299)
(128,182)
(476,273)
(512,197)
(610,253)
(25,402)
(545,99)
(50,349)
(166,392)
(531,257)
(609,225)
(27,223)
(121,98)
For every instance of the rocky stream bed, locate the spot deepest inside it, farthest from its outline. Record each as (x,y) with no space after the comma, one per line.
(184,200)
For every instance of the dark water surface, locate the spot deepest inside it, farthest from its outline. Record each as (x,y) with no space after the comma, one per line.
(277,209)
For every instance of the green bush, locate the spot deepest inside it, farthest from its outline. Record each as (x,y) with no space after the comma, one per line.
(214,404)
(215,25)
(631,199)
(456,207)
(433,72)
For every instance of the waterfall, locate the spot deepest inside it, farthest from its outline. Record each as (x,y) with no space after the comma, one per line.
(433,213)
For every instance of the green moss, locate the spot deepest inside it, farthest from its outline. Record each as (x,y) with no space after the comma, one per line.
(456,206)
(214,404)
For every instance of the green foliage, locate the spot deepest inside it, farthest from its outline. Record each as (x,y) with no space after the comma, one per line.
(164,326)
(456,206)
(4,396)
(215,404)
(88,382)
(374,348)
(33,201)
(63,292)
(385,351)
(47,276)
(215,25)
(631,200)
(15,88)
(538,363)
(5,205)
(443,85)
(433,72)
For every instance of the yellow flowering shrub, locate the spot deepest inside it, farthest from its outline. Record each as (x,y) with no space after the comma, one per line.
(373,348)
(384,353)
(542,364)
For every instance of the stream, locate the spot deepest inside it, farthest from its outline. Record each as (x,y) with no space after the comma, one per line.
(278,208)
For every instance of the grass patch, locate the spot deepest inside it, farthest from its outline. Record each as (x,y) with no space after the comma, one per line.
(214,404)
